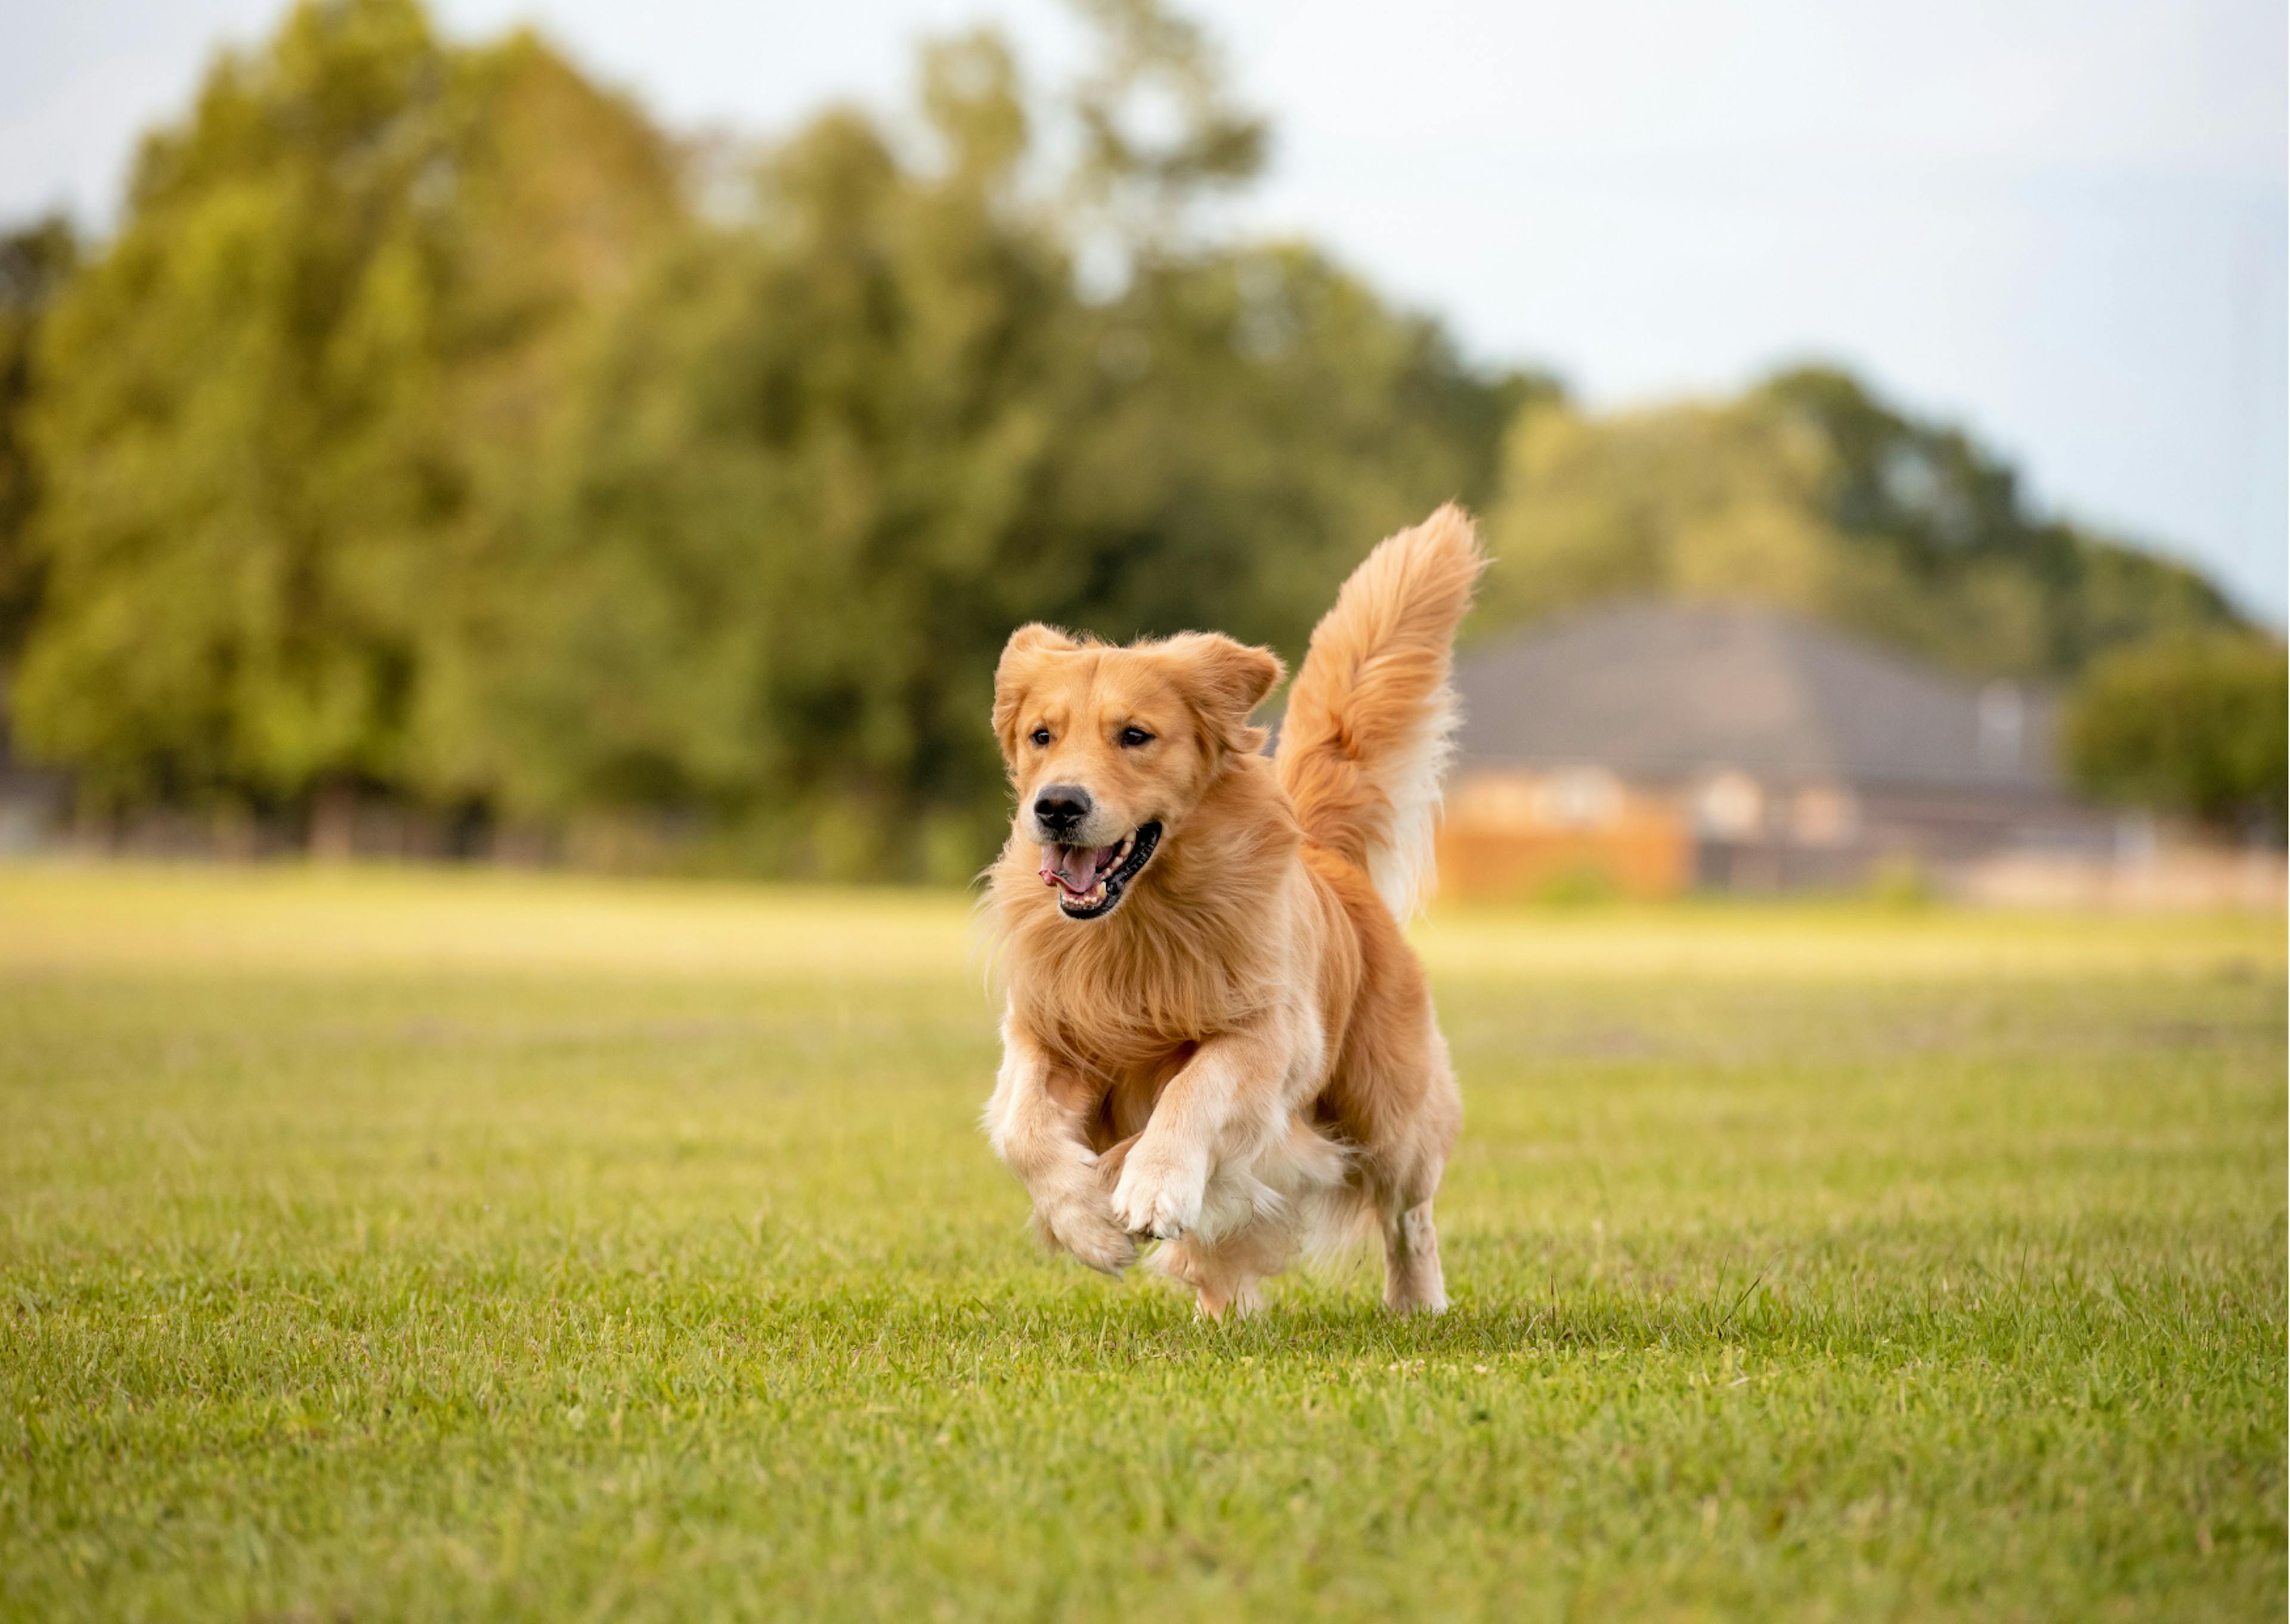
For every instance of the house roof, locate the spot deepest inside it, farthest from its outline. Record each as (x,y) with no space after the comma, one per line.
(1661,691)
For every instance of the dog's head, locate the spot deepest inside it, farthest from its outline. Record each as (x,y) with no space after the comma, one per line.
(1110,748)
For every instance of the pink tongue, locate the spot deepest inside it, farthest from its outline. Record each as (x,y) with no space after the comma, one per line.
(1075,868)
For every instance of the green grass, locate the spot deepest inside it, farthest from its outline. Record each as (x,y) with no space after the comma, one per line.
(411,1246)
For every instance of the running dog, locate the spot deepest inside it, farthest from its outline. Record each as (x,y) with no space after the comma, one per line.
(1215,1035)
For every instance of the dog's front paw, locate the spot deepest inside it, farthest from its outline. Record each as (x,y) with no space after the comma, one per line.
(1083,1226)
(1160,1193)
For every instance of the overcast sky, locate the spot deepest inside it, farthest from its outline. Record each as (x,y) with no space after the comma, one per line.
(2062,223)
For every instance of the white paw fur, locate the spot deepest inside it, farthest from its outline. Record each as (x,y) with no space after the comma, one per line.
(1160,1191)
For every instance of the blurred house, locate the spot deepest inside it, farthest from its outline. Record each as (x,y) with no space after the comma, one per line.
(1651,748)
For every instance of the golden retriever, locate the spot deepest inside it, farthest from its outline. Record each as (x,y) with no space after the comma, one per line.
(1215,1035)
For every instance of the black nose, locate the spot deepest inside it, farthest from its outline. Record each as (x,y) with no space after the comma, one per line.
(1059,808)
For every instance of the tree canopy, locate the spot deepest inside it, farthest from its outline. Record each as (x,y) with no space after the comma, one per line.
(277,412)
(1808,493)
(35,262)
(2189,724)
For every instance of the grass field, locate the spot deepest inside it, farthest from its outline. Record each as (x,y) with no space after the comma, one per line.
(406,1246)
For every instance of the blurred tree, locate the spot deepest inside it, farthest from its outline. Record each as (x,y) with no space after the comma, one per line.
(1952,512)
(35,262)
(1808,494)
(836,447)
(764,576)
(2188,722)
(1159,131)
(277,406)
(411,437)
(1248,421)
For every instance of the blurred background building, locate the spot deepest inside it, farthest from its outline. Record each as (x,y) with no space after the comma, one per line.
(1649,749)
(1739,750)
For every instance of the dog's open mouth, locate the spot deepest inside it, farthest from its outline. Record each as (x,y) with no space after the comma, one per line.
(1090,879)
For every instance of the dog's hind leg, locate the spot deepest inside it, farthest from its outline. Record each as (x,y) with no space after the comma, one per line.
(1402,1176)
(1412,1279)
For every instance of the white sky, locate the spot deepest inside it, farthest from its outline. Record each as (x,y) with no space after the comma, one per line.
(2062,222)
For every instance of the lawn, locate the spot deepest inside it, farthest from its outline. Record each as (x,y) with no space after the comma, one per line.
(408,1246)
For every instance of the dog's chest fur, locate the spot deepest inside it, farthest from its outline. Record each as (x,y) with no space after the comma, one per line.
(1122,1004)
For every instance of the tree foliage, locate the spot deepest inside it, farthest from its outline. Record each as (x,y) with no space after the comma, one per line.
(281,409)
(35,263)
(1158,132)
(1809,495)
(417,434)
(2194,724)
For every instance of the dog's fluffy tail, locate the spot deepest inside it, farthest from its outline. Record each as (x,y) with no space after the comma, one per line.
(1371,720)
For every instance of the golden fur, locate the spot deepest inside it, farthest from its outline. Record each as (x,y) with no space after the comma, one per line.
(1242,1055)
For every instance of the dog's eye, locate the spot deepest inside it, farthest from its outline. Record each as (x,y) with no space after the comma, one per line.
(1041,737)
(1132,736)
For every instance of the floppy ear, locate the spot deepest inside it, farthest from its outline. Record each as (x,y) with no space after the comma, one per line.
(1015,669)
(1226,680)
